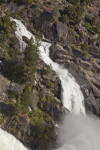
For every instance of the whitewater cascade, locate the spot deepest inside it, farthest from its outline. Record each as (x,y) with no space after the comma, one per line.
(72,96)
(78,132)
(9,142)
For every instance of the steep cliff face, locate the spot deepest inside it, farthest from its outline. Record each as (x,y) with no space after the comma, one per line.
(75,46)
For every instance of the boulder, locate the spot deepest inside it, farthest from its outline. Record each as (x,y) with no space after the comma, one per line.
(25,39)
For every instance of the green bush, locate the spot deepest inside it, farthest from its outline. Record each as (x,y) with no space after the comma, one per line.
(15,106)
(8,41)
(65,18)
(41,126)
(90,24)
(74,14)
(85,49)
(22,103)
(44,100)
(6,24)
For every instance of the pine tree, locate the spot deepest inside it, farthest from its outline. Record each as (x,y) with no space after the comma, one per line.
(26,98)
(30,61)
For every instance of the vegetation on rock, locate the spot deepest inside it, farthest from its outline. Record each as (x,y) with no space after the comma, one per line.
(31,58)
(8,41)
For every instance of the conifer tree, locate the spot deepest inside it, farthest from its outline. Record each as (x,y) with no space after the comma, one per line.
(26,98)
(30,61)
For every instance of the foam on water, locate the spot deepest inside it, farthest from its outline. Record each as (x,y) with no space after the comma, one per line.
(9,142)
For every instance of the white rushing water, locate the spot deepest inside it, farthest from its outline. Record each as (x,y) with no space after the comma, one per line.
(71,94)
(9,142)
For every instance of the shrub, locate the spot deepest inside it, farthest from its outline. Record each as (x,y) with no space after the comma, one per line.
(65,18)
(41,127)
(8,41)
(91,24)
(85,49)
(74,13)
(6,24)
(88,26)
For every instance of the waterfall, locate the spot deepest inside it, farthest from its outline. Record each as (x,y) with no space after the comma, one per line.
(72,96)
(9,142)
(78,132)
